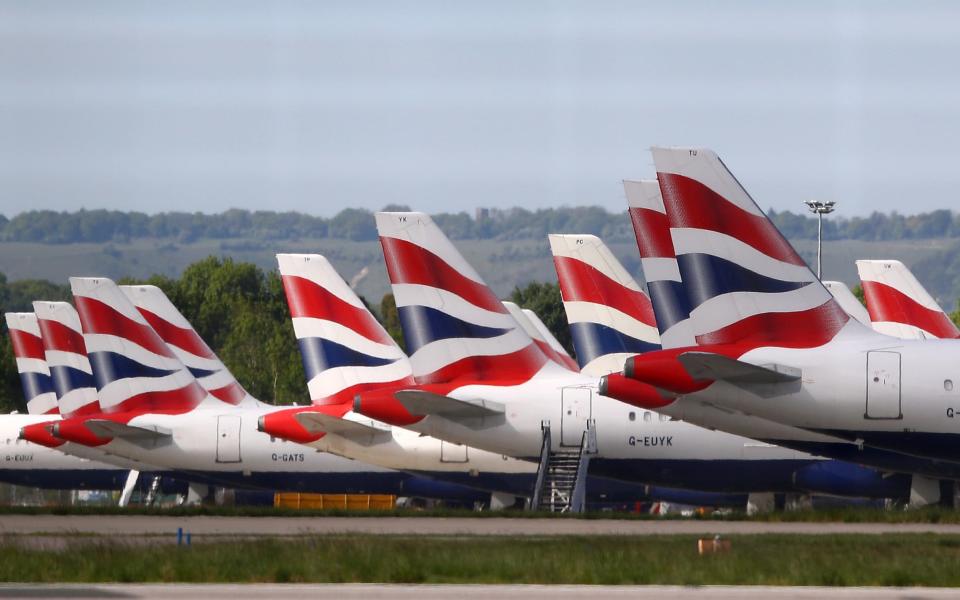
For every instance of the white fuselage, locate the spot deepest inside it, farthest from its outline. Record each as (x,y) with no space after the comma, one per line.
(567,401)
(872,389)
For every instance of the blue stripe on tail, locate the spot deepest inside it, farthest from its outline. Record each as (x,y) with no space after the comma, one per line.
(706,276)
(66,379)
(423,325)
(110,366)
(320,354)
(592,340)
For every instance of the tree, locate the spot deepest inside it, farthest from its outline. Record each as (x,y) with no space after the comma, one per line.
(390,317)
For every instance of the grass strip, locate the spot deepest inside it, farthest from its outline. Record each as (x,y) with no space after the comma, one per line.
(872,560)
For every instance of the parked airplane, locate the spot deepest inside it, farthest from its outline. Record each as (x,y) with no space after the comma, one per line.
(155,410)
(346,351)
(482,381)
(769,340)
(899,305)
(35,465)
(673,315)
(619,314)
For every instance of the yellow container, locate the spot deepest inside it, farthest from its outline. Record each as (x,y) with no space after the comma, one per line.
(303,501)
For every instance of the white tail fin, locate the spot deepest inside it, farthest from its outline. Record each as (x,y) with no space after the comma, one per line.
(746,285)
(899,305)
(135,371)
(848,301)
(31,363)
(454,326)
(180,336)
(66,355)
(610,317)
(343,347)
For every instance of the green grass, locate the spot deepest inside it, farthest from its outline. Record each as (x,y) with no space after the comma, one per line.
(883,560)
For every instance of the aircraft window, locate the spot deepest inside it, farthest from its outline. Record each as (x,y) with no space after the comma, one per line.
(948,385)
(633,416)
(664,417)
(647,417)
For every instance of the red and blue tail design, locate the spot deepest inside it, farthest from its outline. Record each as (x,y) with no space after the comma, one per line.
(184,341)
(31,363)
(556,356)
(343,347)
(745,284)
(134,370)
(454,326)
(659,261)
(66,355)
(610,317)
(899,305)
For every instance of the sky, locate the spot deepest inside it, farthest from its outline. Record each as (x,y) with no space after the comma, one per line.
(449,106)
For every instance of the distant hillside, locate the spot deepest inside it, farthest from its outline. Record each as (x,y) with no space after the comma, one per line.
(508,247)
(103,226)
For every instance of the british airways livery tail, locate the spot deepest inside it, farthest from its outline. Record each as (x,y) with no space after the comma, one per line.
(134,370)
(183,340)
(609,315)
(454,327)
(745,284)
(343,347)
(558,357)
(31,363)
(899,305)
(659,261)
(547,335)
(66,355)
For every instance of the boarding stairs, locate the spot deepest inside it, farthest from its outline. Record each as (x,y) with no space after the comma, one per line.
(153,491)
(562,476)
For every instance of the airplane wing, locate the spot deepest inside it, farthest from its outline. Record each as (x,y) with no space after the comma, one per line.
(419,402)
(707,365)
(142,435)
(362,433)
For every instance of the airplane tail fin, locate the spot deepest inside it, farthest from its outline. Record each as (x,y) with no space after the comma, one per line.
(746,285)
(610,317)
(184,341)
(659,261)
(454,326)
(134,370)
(899,305)
(848,301)
(558,357)
(66,355)
(344,349)
(31,363)
(551,339)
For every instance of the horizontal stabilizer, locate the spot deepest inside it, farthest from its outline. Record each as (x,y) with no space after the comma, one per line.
(419,402)
(111,429)
(706,365)
(367,434)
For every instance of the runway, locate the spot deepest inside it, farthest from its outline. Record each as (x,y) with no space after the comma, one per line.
(135,525)
(463,592)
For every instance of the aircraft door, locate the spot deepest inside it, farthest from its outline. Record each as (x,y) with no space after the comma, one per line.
(453,453)
(883,385)
(574,413)
(228,439)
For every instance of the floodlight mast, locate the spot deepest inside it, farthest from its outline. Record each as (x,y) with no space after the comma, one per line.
(820,208)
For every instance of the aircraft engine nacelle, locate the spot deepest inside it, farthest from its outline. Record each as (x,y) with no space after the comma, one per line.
(837,478)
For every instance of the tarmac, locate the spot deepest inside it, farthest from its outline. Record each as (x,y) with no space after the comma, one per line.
(247,527)
(461,592)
